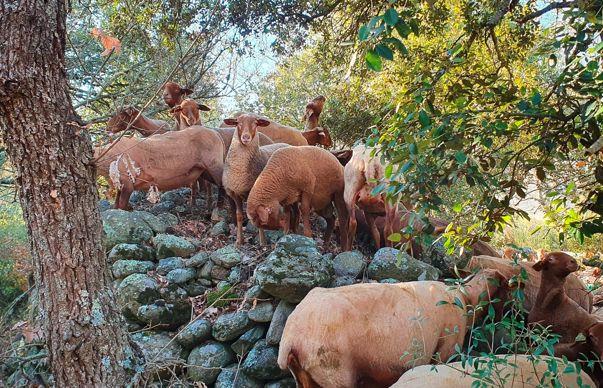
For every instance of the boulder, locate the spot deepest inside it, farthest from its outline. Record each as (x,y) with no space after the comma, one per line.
(284,383)
(195,287)
(173,292)
(103,205)
(390,263)
(231,325)
(168,245)
(227,257)
(277,325)
(272,236)
(180,196)
(120,226)
(205,271)
(131,252)
(221,227)
(205,362)
(349,264)
(125,268)
(194,333)
(261,362)
(169,218)
(157,224)
(436,255)
(219,273)
(136,290)
(262,312)
(198,260)
(293,269)
(168,315)
(137,196)
(158,347)
(247,340)
(181,275)
(341,281)
(169,264)
(230,377)
(234,276)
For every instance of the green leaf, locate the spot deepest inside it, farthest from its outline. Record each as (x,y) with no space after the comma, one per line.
(536,98)
(424,119)
(373,61)
(384,51)
(523,106)
(388,171)
(457,207)
(406,166)
(460,157)
(398,45)
(391,17)
(395,237)
(540,173)
(363,33)
(412,148)
(403,29)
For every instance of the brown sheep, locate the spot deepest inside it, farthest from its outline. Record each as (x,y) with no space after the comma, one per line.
(361,172)
(244,162)
(306,175)
(585,351)
(371,333)
(187,113)
(312,113)
(552,306)
(318,136)
(162,162)
(518,371)
(132,117)
(277,132)
(343,156)
(574,287)
(173,93)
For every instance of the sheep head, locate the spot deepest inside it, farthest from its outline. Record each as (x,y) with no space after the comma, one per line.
(557,263)
(246,127)
(594,339)
(187,113)
(173,93)
(122,119)
(313,111)
(318,135)
(268,216)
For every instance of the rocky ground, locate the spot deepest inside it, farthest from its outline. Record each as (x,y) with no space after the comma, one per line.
(206,313)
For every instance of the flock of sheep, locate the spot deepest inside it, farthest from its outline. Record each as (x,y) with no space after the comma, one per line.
(364,334)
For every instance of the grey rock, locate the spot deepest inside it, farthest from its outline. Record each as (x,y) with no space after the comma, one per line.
(234,276)
(195,287)
(251,228)
(221,227)
(120,226)
(179,196)
(181,275)
(125,268)
(436,255)
(293,269)
(205,282)
(134,291)
(272,236)
(169,218)
(262,312)
(219,273)
(169,264)
(205,271)
(103,205)
(322,224)
(194,333)
(233,378)
(231,325)
(261,362)
(168,315)
(227,257)
(255,292)
(162,207)
(277,325)
(131,252)
(137,196)
(341,281)
(389,281)
(154,222)
(181,209)
(349,264)
(218,214)
(158,347)
(390,263)
(198,260)
(284,383)
(244,344)
(173,292)
(206,361)
(168,245)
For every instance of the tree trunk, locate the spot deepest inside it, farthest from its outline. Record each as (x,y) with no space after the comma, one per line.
(86,337)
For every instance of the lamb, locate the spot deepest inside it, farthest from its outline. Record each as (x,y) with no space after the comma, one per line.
(244,162)
(161,162)
(590,349)
(574,287)
(173,93)
(516,371)
(360,174)
(277,132)
(306,175)
(132,117)
(312,113)
(187,113)
(553,307)
(371,333)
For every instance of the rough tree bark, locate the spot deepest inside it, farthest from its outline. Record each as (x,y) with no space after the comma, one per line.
(86,337)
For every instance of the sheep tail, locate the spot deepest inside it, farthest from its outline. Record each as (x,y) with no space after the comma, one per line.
(302,378)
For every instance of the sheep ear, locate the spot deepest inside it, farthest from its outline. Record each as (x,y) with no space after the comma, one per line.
(185,91)
(203,107)
(231,121)
(262,123)
(263,214)
(539,265)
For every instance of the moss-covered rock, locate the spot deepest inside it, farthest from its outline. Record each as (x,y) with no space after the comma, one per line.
(168,245)
(261,362)
(206,361)
(126,251)
(120,226)
(137,290)
(390,263)
(124,268)
(231,325)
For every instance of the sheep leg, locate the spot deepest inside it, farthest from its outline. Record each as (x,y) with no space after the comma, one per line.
(343,217)
(239,214)
(286,224)
(327,214)
(208,195)
(117,194)
(352,223)
(305,208)
(388,229)
(194,190)
(293,218)
(262,236)
(370,220)
(124,198)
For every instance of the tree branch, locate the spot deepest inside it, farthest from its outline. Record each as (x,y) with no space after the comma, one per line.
(548,8)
